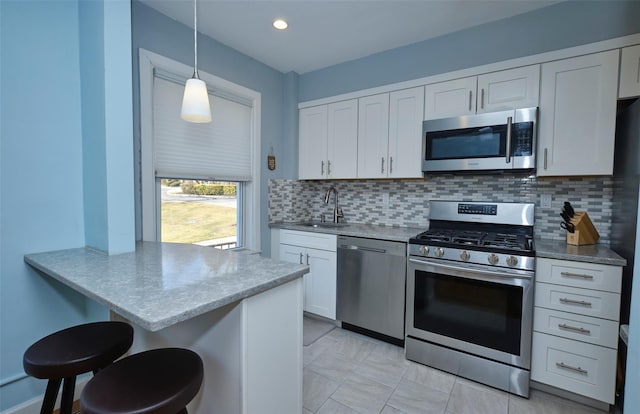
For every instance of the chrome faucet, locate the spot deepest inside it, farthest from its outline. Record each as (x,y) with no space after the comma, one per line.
(337,211)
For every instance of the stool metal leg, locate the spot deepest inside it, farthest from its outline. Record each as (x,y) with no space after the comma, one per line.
(66,402)
(53,385)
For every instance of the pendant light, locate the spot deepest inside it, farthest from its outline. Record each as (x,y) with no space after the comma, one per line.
(195,101)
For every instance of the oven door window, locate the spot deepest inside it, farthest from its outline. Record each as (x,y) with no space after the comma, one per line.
(479,312)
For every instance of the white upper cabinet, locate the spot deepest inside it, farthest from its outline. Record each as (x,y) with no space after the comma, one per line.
(451,98)
(630,72)
(496,91)
(406,110)
(373,135)
(312,148)
(390,134)
(342,142)
(509,89)
(328,140)
(578,115)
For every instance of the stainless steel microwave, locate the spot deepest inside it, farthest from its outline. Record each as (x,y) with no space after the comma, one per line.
(495,141)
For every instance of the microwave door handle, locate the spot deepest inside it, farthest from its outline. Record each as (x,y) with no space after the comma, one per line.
(509,122)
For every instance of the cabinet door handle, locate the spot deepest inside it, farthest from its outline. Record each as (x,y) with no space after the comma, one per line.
(390,165)
(508,150)
(573,328)
(470,96)
(328,168)
(482,98)
(578,275)
(307,259)
(300,257)
(321,167)
(382,166)
(545,158)
(572,368)
(575,302)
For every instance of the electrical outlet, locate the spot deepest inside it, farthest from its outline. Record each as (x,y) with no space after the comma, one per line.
(385,198)
(545,200)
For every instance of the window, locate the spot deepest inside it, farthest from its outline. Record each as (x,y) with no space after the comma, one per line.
(187,168)
(200,212)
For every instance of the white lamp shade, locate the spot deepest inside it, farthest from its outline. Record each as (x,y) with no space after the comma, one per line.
(195,102)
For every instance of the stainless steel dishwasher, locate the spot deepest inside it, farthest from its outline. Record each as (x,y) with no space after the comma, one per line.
(371,286)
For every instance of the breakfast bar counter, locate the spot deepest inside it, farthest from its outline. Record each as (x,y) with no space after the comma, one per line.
(240,312)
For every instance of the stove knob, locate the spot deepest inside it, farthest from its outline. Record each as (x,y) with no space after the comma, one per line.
(424,250)
(512,261)
(465,256)
(493,259)
(439,252)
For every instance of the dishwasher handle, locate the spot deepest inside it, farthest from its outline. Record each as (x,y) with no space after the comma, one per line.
(373,246)
(365,249)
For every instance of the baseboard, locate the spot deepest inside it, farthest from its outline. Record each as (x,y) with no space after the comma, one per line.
(600,405)
(321,318)
(33,405)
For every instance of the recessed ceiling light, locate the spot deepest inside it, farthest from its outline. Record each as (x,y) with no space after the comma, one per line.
(280,24)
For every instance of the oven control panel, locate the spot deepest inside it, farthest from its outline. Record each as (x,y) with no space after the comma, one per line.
(482,209)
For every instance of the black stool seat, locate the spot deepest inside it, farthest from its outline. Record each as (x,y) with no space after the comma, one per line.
(72,351)
(160,381)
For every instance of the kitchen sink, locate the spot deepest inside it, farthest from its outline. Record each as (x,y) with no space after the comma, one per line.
(319,224)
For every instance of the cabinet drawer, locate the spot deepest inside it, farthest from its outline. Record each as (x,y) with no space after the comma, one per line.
(574,366)
(581,301)
(597,331)
(309,239)
(579,274)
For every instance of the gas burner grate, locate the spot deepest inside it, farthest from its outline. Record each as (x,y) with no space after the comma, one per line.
(480,239)
(470,238)
(505,241)
(440,236)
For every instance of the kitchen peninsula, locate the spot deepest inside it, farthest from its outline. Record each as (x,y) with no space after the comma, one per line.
(240,312)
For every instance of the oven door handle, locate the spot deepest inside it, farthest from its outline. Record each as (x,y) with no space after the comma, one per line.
(483,273)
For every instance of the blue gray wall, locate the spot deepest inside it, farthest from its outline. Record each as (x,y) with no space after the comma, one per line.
(632,384)
(41,192)
(559,26)
(45,203)
(106,96)
(156,32)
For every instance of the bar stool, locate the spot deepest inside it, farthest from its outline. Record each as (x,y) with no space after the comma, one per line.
(159,381)
(73,351)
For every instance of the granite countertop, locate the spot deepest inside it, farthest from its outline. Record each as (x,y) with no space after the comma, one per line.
(591,253)
(370,231)
(552,249)
(161,284)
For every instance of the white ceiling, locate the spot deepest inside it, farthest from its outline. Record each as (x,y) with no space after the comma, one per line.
(322,33)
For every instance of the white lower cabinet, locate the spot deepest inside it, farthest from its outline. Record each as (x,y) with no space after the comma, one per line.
(582,368)
(318,251)
(575,327)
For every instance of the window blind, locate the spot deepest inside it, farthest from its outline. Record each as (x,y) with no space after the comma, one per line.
(220,150)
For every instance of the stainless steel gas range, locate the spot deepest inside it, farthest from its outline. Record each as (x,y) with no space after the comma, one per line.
(470,292)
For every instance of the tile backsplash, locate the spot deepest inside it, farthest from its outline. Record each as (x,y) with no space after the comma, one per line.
(364,201)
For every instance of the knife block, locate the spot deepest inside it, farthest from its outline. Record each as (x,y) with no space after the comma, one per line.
(585,232)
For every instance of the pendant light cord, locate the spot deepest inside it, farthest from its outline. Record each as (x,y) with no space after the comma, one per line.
(195,39)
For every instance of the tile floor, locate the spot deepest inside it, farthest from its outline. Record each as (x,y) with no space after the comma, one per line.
(348,373)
